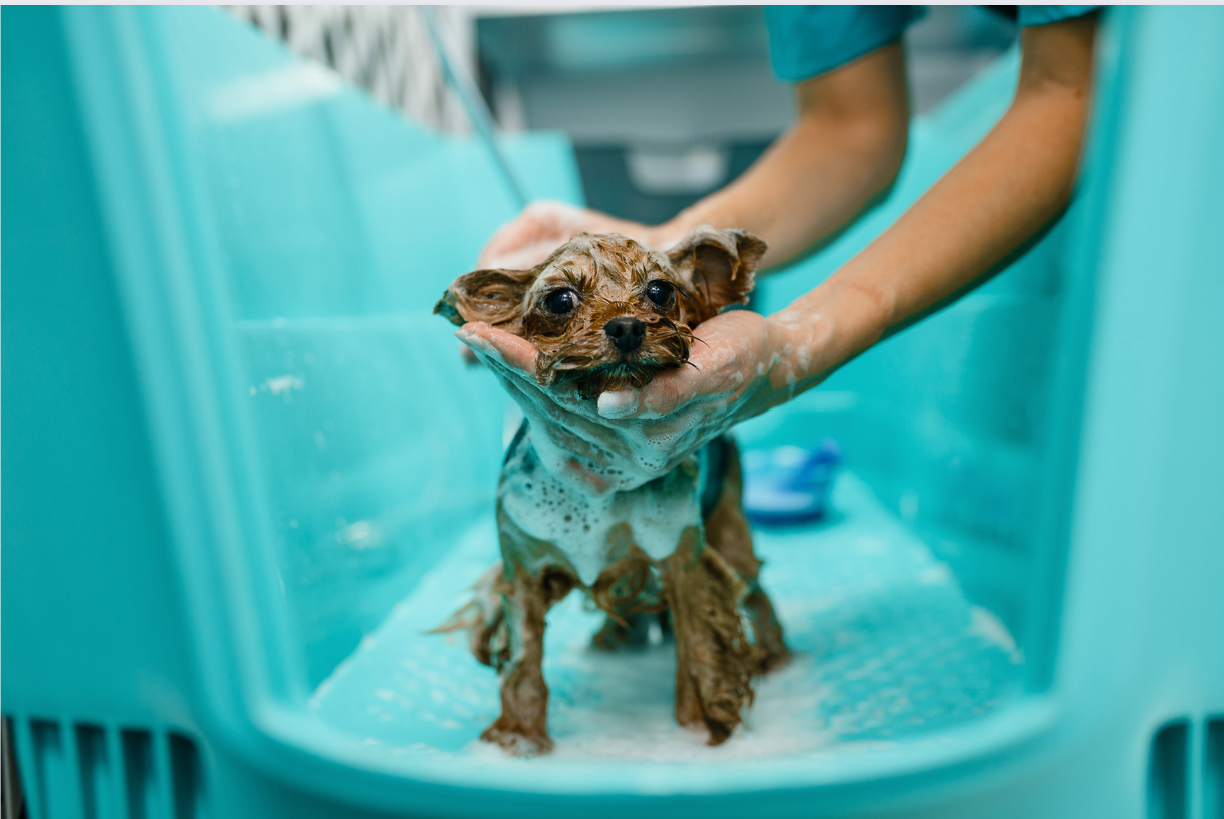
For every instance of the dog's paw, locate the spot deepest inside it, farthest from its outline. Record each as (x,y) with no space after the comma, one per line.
(720,732)
(517,743)
(690,715)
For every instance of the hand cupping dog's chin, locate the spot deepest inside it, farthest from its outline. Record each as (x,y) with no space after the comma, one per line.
(650,430)
(600,319)
(590,384)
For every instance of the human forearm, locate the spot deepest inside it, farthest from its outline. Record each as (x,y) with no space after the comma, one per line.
(997,197)
(844,148)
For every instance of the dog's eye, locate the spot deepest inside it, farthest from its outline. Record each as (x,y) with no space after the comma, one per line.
(661,293)
(561,301)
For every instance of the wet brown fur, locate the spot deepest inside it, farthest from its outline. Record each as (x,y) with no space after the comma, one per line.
(710,270)
(728,534)
(702,590)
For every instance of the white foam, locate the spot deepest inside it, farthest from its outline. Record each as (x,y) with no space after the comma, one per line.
(283,384)
(627,712)
(574,505)
(362,534)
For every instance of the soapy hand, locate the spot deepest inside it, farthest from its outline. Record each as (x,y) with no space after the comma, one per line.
(740,368)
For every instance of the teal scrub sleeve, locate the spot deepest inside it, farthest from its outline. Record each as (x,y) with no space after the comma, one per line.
(806,41)
(1043,15)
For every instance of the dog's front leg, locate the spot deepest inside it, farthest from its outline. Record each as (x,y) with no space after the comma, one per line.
(714,659)
(522,727)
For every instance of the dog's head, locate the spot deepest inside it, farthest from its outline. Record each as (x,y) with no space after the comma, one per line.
(606,312)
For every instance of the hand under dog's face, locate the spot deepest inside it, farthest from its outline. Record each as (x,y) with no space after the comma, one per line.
(604,311)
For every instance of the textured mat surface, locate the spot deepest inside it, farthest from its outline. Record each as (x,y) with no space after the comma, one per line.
(888,650)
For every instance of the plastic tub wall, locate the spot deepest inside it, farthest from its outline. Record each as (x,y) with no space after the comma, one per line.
(236,441)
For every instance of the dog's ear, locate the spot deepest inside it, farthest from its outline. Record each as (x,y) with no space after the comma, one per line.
(492,296)
(719,265)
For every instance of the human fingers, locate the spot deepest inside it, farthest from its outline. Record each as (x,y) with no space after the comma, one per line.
(521,257)
(562,416)
(513,361)
(527,239)
(517,231)
(663,395)
(721,366)
(500,349)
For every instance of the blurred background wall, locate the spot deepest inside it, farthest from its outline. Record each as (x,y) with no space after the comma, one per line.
(662,104)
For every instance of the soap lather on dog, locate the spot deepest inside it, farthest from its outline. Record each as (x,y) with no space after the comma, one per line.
(607,313)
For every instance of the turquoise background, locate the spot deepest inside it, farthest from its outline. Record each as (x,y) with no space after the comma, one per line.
(234,440)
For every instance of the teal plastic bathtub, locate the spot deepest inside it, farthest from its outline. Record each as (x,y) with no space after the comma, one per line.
(245,468)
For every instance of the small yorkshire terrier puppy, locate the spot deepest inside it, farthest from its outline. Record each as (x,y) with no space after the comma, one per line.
(606,313)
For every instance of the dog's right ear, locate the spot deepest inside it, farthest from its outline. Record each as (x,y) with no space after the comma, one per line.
(492,296)
(719,267)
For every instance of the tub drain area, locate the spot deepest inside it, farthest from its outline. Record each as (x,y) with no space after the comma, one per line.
(888,650)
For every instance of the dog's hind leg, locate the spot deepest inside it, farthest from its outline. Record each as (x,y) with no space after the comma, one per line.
(522,727)
(728,534)
(714,659)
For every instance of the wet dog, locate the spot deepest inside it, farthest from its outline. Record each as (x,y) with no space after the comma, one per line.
(606,313)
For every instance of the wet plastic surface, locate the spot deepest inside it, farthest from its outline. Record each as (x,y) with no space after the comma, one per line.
(234,438)
(888,651)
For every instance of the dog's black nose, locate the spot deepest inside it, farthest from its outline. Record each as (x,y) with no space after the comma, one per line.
(627,333)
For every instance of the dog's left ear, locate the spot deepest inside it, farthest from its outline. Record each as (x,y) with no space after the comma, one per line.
(719,265)
(492,296)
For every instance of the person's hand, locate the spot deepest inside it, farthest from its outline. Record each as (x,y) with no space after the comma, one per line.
(544,226)
(741,367)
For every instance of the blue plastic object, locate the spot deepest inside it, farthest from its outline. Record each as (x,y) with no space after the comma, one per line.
(789,485)
(244,468)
